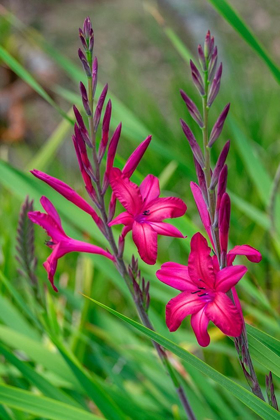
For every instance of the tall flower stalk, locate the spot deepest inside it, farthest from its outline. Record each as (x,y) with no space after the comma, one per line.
(145,210)
(201,294)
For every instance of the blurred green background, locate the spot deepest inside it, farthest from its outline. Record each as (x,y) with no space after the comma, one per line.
(143,48)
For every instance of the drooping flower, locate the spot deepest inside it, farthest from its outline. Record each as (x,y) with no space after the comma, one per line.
(60,243)
(145,212)
(203,296)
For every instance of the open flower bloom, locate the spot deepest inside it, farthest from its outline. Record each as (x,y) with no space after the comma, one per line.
(203,296)
(60,243)
(145,212)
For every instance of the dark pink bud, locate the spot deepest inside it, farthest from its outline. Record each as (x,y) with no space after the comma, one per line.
(86,177)
(91,41)
(111,154)
(85,99)
(105,130)
(197,79)
(201,180)
(112,208)
(87,27)
(222,186)
(82,38)
(224,219)
(193,143)
(201,57)
(193,110)
(83,151)
(99,107)
(211,47)
(94,75)
(215,85)
(219,166)
(213,64)
(207,44)
(121,246)
(135,157)
(84,62)
(82,126)
(218,126)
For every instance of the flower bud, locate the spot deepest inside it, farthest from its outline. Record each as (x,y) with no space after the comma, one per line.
(215,86)
(218,126)
(213,64)
(192,108)
(84,62)
(201,57)
(94,75)
(85,99)
(219,165)
(193,144)
(105,130)
(99,107)
(197,79)
(224,219)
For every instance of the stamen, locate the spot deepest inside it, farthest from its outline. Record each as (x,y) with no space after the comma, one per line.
(203,294)
(198,291)
(49,243)
(146,212)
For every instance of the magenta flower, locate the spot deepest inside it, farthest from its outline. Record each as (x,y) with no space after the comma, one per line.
(145,212)
(60,243)
(203,296)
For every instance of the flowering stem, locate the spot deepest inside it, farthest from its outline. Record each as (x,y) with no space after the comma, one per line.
(241,342)
(121,266)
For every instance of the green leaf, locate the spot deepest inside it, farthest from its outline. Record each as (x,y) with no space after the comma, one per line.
(254,403)
(227,11)
(41,406)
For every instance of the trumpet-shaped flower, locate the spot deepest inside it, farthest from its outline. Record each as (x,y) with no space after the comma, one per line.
(145,212)
(203,296)
(60,243)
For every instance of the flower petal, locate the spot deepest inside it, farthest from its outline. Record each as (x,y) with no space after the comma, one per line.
(228,277)
(180,307)
(225,315)
(202,209)
(149,188)
(50,210)
(122,219)
(251,253)
(135,157)
(199,323)
(166,208)
(50,266)
(50,225)
(200,263)
(145,238)
(166,229)
(126,192)
(176,276)
(67,192)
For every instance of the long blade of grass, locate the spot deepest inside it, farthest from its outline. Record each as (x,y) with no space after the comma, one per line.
(41,406)
(233,18)
(255,404)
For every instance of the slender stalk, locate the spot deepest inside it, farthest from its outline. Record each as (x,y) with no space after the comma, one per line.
(241,342)
(121,266)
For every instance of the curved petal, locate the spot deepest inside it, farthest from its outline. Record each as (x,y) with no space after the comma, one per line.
(149,188)
(222,312)
(228,277)
(180,307)
(67,192)
(215,264)
(176,276)
(73,245)
(50,266)
(200,263)
(237,302)
(50,210)
(122,219)
(145,238)
(202,209)
(165,208)
(251,253)
(50,225)
(166,229)
(199,323)
(126,192)
(135,157)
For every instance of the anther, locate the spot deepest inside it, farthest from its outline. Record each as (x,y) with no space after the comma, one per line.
(146,212)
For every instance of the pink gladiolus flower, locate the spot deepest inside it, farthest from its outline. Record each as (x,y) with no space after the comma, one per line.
(60,243)
(203,296)
(145,212)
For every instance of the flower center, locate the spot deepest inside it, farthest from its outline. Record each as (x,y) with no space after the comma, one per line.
(146,212)
(204,293)
(50,243)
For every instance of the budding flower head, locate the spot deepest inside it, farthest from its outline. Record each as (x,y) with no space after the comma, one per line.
(87,36)
(208,45)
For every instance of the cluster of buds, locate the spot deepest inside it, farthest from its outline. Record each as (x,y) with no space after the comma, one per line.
(141,287)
